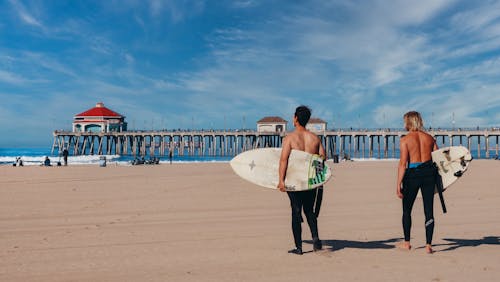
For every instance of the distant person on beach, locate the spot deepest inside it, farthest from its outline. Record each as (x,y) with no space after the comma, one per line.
(46,162)
(65,156)
(19,162)
(170,156)
(416,171)
(303,140)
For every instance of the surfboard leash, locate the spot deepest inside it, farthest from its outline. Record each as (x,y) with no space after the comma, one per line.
(439,186)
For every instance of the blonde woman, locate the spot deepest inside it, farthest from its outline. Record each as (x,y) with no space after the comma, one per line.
(416,171)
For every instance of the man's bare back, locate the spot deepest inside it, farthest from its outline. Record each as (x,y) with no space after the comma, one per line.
(304,140)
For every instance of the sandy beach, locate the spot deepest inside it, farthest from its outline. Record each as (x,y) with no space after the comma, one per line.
(201,222)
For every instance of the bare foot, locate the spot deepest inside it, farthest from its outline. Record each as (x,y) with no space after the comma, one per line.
(429,249)
(404,246)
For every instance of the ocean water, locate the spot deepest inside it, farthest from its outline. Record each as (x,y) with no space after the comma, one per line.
(35,156)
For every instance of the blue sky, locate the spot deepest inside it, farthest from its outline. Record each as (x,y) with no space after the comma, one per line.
(210,64)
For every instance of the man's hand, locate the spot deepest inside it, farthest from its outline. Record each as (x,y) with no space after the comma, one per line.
(281,186)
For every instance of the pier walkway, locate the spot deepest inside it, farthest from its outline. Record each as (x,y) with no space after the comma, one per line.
(484,143)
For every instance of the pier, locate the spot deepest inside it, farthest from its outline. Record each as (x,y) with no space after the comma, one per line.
(381,144)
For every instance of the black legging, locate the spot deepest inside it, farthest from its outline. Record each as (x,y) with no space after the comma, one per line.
(423,177)
(298,201)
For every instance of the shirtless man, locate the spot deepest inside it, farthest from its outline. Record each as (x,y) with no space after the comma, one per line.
(416,170)
(303,140)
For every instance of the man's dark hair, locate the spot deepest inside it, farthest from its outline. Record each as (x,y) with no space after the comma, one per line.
(303,114)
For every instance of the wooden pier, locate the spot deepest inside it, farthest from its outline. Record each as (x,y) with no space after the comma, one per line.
(342,143)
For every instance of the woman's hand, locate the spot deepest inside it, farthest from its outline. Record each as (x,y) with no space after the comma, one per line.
(399,192)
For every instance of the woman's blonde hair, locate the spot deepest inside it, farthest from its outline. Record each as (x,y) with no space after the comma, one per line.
(413,121)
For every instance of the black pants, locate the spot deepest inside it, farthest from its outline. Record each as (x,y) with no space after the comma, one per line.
(298,201)
(424,178)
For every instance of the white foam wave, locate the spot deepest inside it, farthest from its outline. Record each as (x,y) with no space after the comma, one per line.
(72,160)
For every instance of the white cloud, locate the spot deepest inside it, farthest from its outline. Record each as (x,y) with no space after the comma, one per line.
(243,4)
(370,52)
(47,62)
(24,14)
(477,19)
(468,106)
(314,55)
(177,10)
(129,59)
(406,12)
(156,6)
(11,78)
(486,71)
(389,116)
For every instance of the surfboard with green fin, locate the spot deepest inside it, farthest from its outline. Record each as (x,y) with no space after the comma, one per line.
(260,166)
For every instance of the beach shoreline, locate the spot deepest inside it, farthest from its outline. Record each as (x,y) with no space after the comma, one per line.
(201,222)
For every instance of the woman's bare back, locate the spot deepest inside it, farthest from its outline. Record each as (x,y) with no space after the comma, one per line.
(419,146)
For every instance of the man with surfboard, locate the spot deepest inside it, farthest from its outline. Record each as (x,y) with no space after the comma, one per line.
(303,140)
(416,170)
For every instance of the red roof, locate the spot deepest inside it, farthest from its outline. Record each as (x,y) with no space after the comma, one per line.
(99,111)
(90,121)
(272,119)
(316,120)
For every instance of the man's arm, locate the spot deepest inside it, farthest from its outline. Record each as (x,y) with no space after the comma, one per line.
(285,153)
(403,159)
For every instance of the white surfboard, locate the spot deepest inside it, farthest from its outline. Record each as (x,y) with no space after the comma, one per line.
(261,166)
(452,162)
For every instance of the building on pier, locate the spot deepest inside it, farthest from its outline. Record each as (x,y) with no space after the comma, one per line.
(99,119)
(316,125)
(271,124)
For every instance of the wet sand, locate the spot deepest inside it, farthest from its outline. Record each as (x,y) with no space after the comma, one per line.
(200,222)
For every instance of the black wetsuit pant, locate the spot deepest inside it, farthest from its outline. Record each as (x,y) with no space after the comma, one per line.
(298,201)
(424,178)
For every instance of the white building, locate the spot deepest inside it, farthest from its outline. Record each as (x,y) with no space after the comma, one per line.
(316,125)
(271,124)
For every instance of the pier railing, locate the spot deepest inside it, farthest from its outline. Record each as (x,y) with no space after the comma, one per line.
(345,143)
